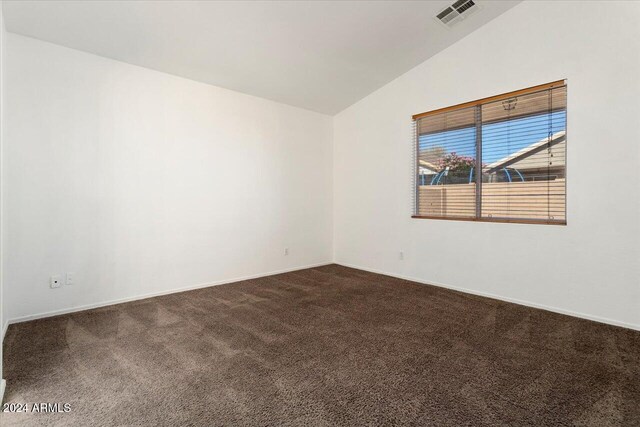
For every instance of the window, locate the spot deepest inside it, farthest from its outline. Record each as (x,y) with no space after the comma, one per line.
(496,159)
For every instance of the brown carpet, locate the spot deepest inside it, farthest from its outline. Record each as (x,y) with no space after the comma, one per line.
(324,346)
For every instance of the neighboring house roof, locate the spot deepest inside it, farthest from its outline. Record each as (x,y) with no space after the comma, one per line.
(528,151)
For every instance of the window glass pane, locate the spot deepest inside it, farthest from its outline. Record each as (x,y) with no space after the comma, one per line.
(446,156)
(524,157)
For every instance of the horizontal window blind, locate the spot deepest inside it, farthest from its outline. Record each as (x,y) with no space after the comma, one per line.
(498,159)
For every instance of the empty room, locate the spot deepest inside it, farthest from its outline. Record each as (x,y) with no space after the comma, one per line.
(320,213)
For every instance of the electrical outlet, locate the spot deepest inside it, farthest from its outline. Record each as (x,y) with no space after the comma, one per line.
(69,279)
(54,282)
(286,251)
(401,255)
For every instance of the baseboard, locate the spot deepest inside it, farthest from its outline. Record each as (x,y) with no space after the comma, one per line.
(153,294)
(502,298)
(4,330)
(3,385)
(256,276)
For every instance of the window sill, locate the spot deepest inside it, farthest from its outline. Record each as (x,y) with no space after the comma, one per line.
(501,220)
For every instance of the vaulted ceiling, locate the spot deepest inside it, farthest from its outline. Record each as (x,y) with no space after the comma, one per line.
(318,55)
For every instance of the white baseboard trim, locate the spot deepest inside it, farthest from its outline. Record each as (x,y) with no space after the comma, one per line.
(3,385)
(153,294)
(501,298)
(4,330)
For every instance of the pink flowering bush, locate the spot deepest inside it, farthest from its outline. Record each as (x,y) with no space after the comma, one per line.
(456,163)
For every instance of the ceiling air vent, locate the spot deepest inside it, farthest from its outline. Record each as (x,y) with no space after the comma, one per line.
(455,13)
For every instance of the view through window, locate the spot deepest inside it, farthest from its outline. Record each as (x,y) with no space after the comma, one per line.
(498,159)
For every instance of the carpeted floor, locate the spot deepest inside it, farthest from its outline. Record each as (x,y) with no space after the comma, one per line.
(327,346)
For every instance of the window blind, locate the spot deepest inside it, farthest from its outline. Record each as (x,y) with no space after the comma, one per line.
(497,159)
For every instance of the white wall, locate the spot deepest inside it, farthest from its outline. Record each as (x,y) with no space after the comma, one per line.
(140,182)
(591,267)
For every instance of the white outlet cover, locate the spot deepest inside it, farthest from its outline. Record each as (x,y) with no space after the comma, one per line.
(69,279)
(54,282)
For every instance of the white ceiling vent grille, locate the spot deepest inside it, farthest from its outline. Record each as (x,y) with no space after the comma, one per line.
(455,13)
